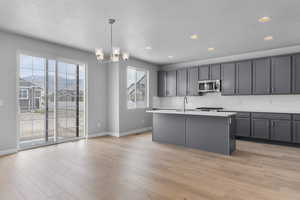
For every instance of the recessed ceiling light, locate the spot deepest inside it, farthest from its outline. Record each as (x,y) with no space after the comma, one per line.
(264,19)
(170,56)
(269,37)
(194,37)
(148,48)
(211,49)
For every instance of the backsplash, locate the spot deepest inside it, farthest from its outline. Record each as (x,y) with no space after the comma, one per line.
(267,103)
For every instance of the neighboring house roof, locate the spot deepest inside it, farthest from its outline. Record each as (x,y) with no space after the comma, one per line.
(25,83)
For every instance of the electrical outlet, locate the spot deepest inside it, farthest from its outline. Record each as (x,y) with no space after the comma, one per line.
(99,124)
(1,103)
(143,121)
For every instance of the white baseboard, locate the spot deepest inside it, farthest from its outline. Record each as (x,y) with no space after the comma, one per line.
(8,151)
(114,134)
(93,135)
(117,134)
(135,131)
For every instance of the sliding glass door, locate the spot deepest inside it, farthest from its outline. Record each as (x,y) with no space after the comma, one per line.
(31,99)
(70,100)
(51,101)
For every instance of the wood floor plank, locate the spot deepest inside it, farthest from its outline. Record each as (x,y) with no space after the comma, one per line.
(135,168)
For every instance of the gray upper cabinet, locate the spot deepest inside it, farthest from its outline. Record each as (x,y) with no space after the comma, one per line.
(228,78)
(215,72)
(296,74)
(204,73)
(192,82)
(182,82)
(171,84)
(261,79)
(161,84)
(281,75)
(281,130)
(244,78)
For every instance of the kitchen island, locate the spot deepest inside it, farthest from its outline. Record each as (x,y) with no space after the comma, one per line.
(208,131)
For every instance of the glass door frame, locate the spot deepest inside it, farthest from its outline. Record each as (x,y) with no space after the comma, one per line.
(48,57)
(84,136)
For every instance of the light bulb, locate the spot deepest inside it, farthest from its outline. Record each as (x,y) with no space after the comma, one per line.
(125,56)
(99,54)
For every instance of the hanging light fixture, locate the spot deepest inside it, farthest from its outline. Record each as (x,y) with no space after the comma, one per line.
(115,52)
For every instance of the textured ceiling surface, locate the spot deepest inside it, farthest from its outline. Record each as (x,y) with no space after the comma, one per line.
(230,26)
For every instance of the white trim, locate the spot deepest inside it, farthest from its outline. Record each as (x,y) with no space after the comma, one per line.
(93,135)
(136,131)
(147,72)
(8,151)
(236,57)
(57,59)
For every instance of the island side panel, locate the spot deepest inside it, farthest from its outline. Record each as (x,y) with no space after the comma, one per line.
(211,134)
(169,128)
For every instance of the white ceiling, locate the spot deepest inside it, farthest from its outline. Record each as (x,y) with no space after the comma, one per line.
(230,26)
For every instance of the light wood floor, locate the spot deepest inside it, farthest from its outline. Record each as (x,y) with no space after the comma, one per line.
(135,168)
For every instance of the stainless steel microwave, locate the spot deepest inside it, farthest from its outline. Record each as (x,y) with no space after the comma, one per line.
(209,86)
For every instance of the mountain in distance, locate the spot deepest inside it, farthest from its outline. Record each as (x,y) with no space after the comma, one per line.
(62,82)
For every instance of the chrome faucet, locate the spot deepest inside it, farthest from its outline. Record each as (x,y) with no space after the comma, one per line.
(185,101)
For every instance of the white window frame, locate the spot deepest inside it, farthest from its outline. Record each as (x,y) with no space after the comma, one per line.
(147,87)
(48,56)
(27,93)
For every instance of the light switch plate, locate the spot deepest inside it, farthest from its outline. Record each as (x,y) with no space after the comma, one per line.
(1,103)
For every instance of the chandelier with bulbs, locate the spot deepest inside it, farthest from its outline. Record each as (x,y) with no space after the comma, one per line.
(115,55)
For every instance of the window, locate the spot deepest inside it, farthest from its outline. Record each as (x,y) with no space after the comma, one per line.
(23,93)
(137,88)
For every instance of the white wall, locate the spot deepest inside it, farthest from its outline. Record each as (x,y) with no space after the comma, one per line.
(113,98)
(267,103)
(133,119)
(97,83)
(122,120)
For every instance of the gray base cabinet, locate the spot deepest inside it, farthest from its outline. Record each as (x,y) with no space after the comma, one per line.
(296,132)
(210,134)
(261,128)
(296,129)
(169,129)
(242,127)
(269,126)
(281,130)
(213,134)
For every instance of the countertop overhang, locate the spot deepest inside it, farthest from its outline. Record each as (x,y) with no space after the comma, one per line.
(197,113)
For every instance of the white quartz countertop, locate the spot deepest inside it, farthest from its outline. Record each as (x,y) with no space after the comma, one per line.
(264,110)
(189,112)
